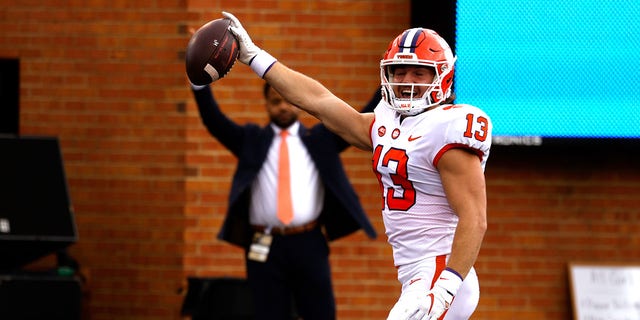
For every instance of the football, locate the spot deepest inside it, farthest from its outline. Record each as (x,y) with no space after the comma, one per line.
(211,52)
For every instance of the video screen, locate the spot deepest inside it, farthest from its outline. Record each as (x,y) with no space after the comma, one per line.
(551,69)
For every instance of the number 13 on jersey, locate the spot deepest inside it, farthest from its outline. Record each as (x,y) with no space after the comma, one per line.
(400,195)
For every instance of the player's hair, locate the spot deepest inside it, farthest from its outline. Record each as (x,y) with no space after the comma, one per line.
(450,99)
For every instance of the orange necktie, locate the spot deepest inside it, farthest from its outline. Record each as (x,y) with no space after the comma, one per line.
(285,206)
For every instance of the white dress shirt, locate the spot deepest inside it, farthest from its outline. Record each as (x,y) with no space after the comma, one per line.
(307,190)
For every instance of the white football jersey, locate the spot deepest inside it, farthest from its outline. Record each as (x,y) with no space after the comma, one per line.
(418,220)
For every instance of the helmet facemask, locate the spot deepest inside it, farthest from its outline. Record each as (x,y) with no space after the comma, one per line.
(421,48)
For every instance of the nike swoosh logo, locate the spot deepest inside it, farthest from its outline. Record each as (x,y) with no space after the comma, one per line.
(414,280)
(411,138)
(430,295)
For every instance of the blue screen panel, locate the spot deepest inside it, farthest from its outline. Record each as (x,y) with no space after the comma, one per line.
(551,69)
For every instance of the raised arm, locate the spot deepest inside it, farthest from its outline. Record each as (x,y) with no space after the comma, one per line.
(217,123)
(305,92)
(311,96)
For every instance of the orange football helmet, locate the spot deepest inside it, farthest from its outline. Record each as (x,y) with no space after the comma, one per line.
(418,47)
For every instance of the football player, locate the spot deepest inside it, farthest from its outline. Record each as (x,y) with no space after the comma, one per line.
(429,157)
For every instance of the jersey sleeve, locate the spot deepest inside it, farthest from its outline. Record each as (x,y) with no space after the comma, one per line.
(465,126)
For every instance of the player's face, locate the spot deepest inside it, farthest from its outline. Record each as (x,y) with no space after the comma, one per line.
(281,112)
(408,74)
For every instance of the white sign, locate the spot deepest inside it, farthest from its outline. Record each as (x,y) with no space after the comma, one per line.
(605,292)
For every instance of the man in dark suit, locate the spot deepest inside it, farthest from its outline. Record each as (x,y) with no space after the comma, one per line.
(286,259)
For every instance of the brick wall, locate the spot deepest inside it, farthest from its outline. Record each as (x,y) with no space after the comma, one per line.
(105,77)
(548,208)
(149,185)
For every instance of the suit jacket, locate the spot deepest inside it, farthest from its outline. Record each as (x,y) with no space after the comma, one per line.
(342,213)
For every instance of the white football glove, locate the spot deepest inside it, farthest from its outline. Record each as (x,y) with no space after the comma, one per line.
(259,60)
(410,307)
(417,305)
(442,293)
(248,50)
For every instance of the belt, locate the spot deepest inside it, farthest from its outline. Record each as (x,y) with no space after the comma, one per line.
(285,231)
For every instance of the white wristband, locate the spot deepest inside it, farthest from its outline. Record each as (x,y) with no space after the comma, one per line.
(262,62)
